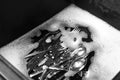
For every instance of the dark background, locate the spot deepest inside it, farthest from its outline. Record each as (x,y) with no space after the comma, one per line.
(20,16)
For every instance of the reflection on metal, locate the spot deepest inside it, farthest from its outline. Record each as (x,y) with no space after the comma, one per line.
(9,72)
(2,77)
